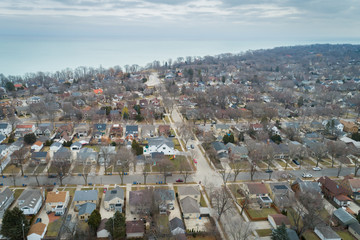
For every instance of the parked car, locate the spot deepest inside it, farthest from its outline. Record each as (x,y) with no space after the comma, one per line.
(68,217)
(306,175)
(286,175)
(195,160)
(168,174)
(38,220)
(268,171)
(296,162)
(317,168)
(179,180)
(52,176)
(192,146)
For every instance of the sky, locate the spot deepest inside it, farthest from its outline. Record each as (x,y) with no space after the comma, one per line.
(251,20)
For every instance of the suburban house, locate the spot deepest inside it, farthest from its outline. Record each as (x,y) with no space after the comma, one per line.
(63,154)
(101,231)
(57,202)
(300,187)
(37,146)
(55,146)
(106,153)
(30,201)
(76,146)
(139,201)
(135,229)
(164,130)
(165,199)
(85,210)
(256,190)
(177,226)
(256,127)
(281,151)
(143,103)
(5,129)
(277,220)
(334,191)
(343,218)
(87,156)
(160,144)
(99,130)
(349,127)
(221,129)
(220,149)
(148,131)
(18,156)
(190,208)
(189,191)
(116,131)
(131,132)
(44,129)
(237,153)
(37,231)
(40,157)
(337,124)
(114,199)
(353,187)
(354,229)
(282,195)
(21,129)
(82,130)
(64,132)
(326,233)
(6,199)
(85,196)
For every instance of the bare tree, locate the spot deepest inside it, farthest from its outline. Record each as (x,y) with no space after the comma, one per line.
(356,159)
(225,175)
(246,199)
(165,167)
(13,175)
(125,158)
(145,172)
(85,172)
(19,157)
(221,201)
(319,151)
(185,131)
(13,121)
(335,149)
(253,169)
(37,109)
(236,169)
(106,156)
(62,166)
(240,230)
(36,175)
(184,171)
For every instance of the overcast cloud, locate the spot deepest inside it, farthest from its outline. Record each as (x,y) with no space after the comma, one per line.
(174,19)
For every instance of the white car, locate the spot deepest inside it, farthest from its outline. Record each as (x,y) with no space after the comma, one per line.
(306,175)
(317,168)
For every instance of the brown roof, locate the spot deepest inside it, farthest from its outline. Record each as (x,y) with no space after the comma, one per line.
(355,183)
(342,198)
(257,188)
(102,224)
(332,186)
(37,228)
(38,143)
(55,197)
(280,219)
(134,226)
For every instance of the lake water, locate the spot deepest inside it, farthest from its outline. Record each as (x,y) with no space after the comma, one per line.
(19,55)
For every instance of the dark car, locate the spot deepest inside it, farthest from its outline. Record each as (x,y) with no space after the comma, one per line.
(296,162)
(38,220)
(268,171)
(68,217)
(179,180)
(52,176)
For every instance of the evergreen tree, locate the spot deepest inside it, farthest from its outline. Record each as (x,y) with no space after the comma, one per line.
(137,148)
(14,224)
(30,138)
(94,220)
(116,226)
(280,233)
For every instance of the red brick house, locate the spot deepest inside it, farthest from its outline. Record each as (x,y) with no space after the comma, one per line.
(334,191)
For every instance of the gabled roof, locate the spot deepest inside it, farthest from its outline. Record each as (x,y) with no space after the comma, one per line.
(4,196)
(219,146)
(30,197)
(355,226)
(39,154)
(164,194)
(3,125)
(56,197)
(56,144)
(176,223)
(188,190)
(38,143)
(354,183)
(332,186)
(189,205)
(37,228)
(76,144)
(135,227)
(102,224)
(237,149)
(257,188)
(86,195)
(160,141)
(344,217)
(327,232)
(307,186)
(131,128)
(118,192)
(87,208)
(100,126)
(280,219)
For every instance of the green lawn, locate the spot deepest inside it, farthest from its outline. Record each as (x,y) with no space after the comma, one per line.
(202,201)
(345,235)
(11,169)
(40,168)
(54,228)
(71,191)
(242,165)
(17,193)
(176,144)
(310,235)
(30,169)
(262,213)
(78,168)
(177,163)
(264,232)
(52,169)
(163,223)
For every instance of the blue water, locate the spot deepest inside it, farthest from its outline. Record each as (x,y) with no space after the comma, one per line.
(19,55)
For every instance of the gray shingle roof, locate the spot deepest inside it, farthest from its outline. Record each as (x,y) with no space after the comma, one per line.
(30,197)
(4,196)
(87,208)
(219,146)
(164,194)
(327,232)
(86,195)
(118,192)
(188,190)
(176,223)
(189,205)
(356,227)
(161,140)
(344,216)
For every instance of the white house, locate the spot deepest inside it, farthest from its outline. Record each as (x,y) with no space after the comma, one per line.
(76,146)
(275,130)
(5,129)
(22,130)
(337,125)
(37,146)
(30,201)
(37,231)
(57,202)
(160,144)
(55,146)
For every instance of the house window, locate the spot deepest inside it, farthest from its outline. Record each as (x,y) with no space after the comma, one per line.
(163,147)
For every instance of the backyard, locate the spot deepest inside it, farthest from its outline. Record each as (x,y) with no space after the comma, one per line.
(261,213)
